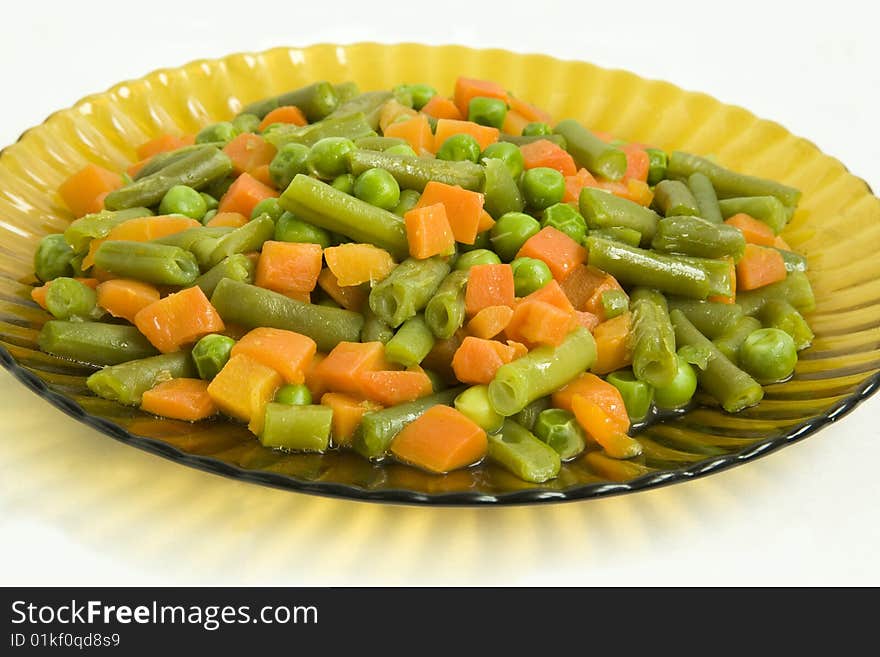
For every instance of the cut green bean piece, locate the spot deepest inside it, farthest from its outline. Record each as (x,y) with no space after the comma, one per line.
(315,101)
(795,289)
(698,237)
(618,234)
(707,200)
(211,353)
(238,267)
(780,314)
(187,238)
(674,199)
(379,143)
(729,342)
(297,428)
(368,104)
(767,209)
(93,342)
(559,429)
(348,127)
(711,319)
(474,403)
(409,198)
(591,152)
(407,289)
(162,160)
(416,172)
(793,261)
(246,123)
(501,193)
(445,312)
(68,298)
(523,140)
(53,257)
(652,338)
(243,239)
(657,161)
(252,307)
(696,356)
(375,330)
(96,226)
(603,209)
(540,372)
(148,262)
(529,415)
(411,343)
(637,395)
(345,91)
(519,451)
(127,382)
(614,303)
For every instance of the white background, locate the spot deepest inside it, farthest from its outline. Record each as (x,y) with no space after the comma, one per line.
(79,508)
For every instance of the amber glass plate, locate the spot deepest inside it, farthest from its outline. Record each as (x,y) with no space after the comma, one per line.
(837,227)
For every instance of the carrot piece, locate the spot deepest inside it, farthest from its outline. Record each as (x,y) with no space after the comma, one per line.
(439,359)
(639,192)
(141,229)
(126,298)
(544,153)
(289,266)
(160,144)
(553,294)
(353,264)
(283,114)
(84,191)
(720,298)
(780,243)
(231,219)
(428,231)
(476,360)
(486,222)
(538,322)
(601,427)
(574,184)
(514,122)
(350,297)
(391,111)
(389,388)
(464,208)
(347,414)
(249,151)
(440,440)
(469,88)
(586,319)
(489,285)
(180,399)
(442,108)
(531,112)
(612,344)
(178,319)
(490,321)
(340,371)
(446,128)
(519,349)
(313,383)
(597,390)
(584,288)
(243,388)
(755,232)
(415,130)
(290,353)
(244,194)
(561,253)
(759,266)
(637,162)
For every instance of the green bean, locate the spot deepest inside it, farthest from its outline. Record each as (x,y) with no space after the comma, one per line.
(733,388)
(683,275)
(252,307)
(707,201)
(187,238)
(767,209)
(368,104)
(196,170)
(542,371)
(657,162)
(52,258)
(693,355)
(96,226)
(729,342)
(375,330)
(67,298)
(345,91)
(780,314)
(591,152)
(416,172)
(328,208)
(519,451)
(602,209)
(148,262)
(445,312)
(316,101)
(537,128)
(637,395)
(795,289)
(698,237)
(727,183)
(409,198)
(559,429)
(351,127)
(379,143)
(411,343)
(523,140)
(793,261)
(618,234)
(474,403)
(407,289)
(243,239)
(162,160)
(674,199)
(211,353)
(529,415)
(711,319)
(222,132)
(127,382)
(652,338)
(377,429)
(614,303)
(93,342)
(246,123)
(297,428)
(501,193)
(238,267)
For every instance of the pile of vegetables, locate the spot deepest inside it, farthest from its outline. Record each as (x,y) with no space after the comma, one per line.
(434,279)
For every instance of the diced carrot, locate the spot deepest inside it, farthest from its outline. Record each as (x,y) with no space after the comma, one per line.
(489,285)
(490,321)
(639,192)
(759,266)
(586,319)
(244,387)
(244,194)
(249,151)
(637,162)
(347,414)
(531,112)
(561,253)
(477,360)
(289,266)
(538,322)
(439,359)
(446,128)
(486,222)
(263,174)
(125,297)
(514,122)
(178,319)
(553,294)
(288,352)
(780,243)
(84,191)
(728,299)
(415,130)
(180,399)
(584,288)
(612,344)
(141,229)
(340,371)
(160,144)
(754,231)
(442,439)
(602,428)
(598,391)
(464,208)
(468,88)
(313,383)
(428,232)
(391,111)
(283,114)
(353,264)
(519,349)
(544,153)
(38,294)
(231,219)
(391,387)
(574,184)
(442,108)
(350,297)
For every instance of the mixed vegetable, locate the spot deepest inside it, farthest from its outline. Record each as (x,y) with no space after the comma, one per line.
(434,279)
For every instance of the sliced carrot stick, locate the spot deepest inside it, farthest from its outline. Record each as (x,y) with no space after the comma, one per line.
(544,153)
(290,353)
(244,194)
(612,344)
(126,298)
(598,391)
(243,388)
(178,319)
(350,297)
(464,208)
(468,88)
(85,190)
(249,151)
(759,266)
(489,285)
(180,399)
(283,114)
(490,321)
(347,414)
(561,253)
(289,267)
(416,131)
(754,231)
(353,263)
(442,108)
(231,219)
(428,232)
(391,387)
(340,371)
(441,440)
(160,144)
(446,128)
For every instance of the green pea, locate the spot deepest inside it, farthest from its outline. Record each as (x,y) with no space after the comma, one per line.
(419,94)
(565,218)
(344,183)
(400,149)
(268,206)
(403,95)
(409,198)
(210,202)
(487,111)
(482,241)
(537,129)
(211,353)
(377,187)
(476,257)
(680,390)
(290,160)
(184,200)
(559,429)
(768,354)
(460,148)
(294,395)
(542,187)
(217,132)
(210,214)
(638,396)
(529,274)
(246,123)
(329,157)
(290,228)
(67,298)
(510,232)
(53,258)
(507,153)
